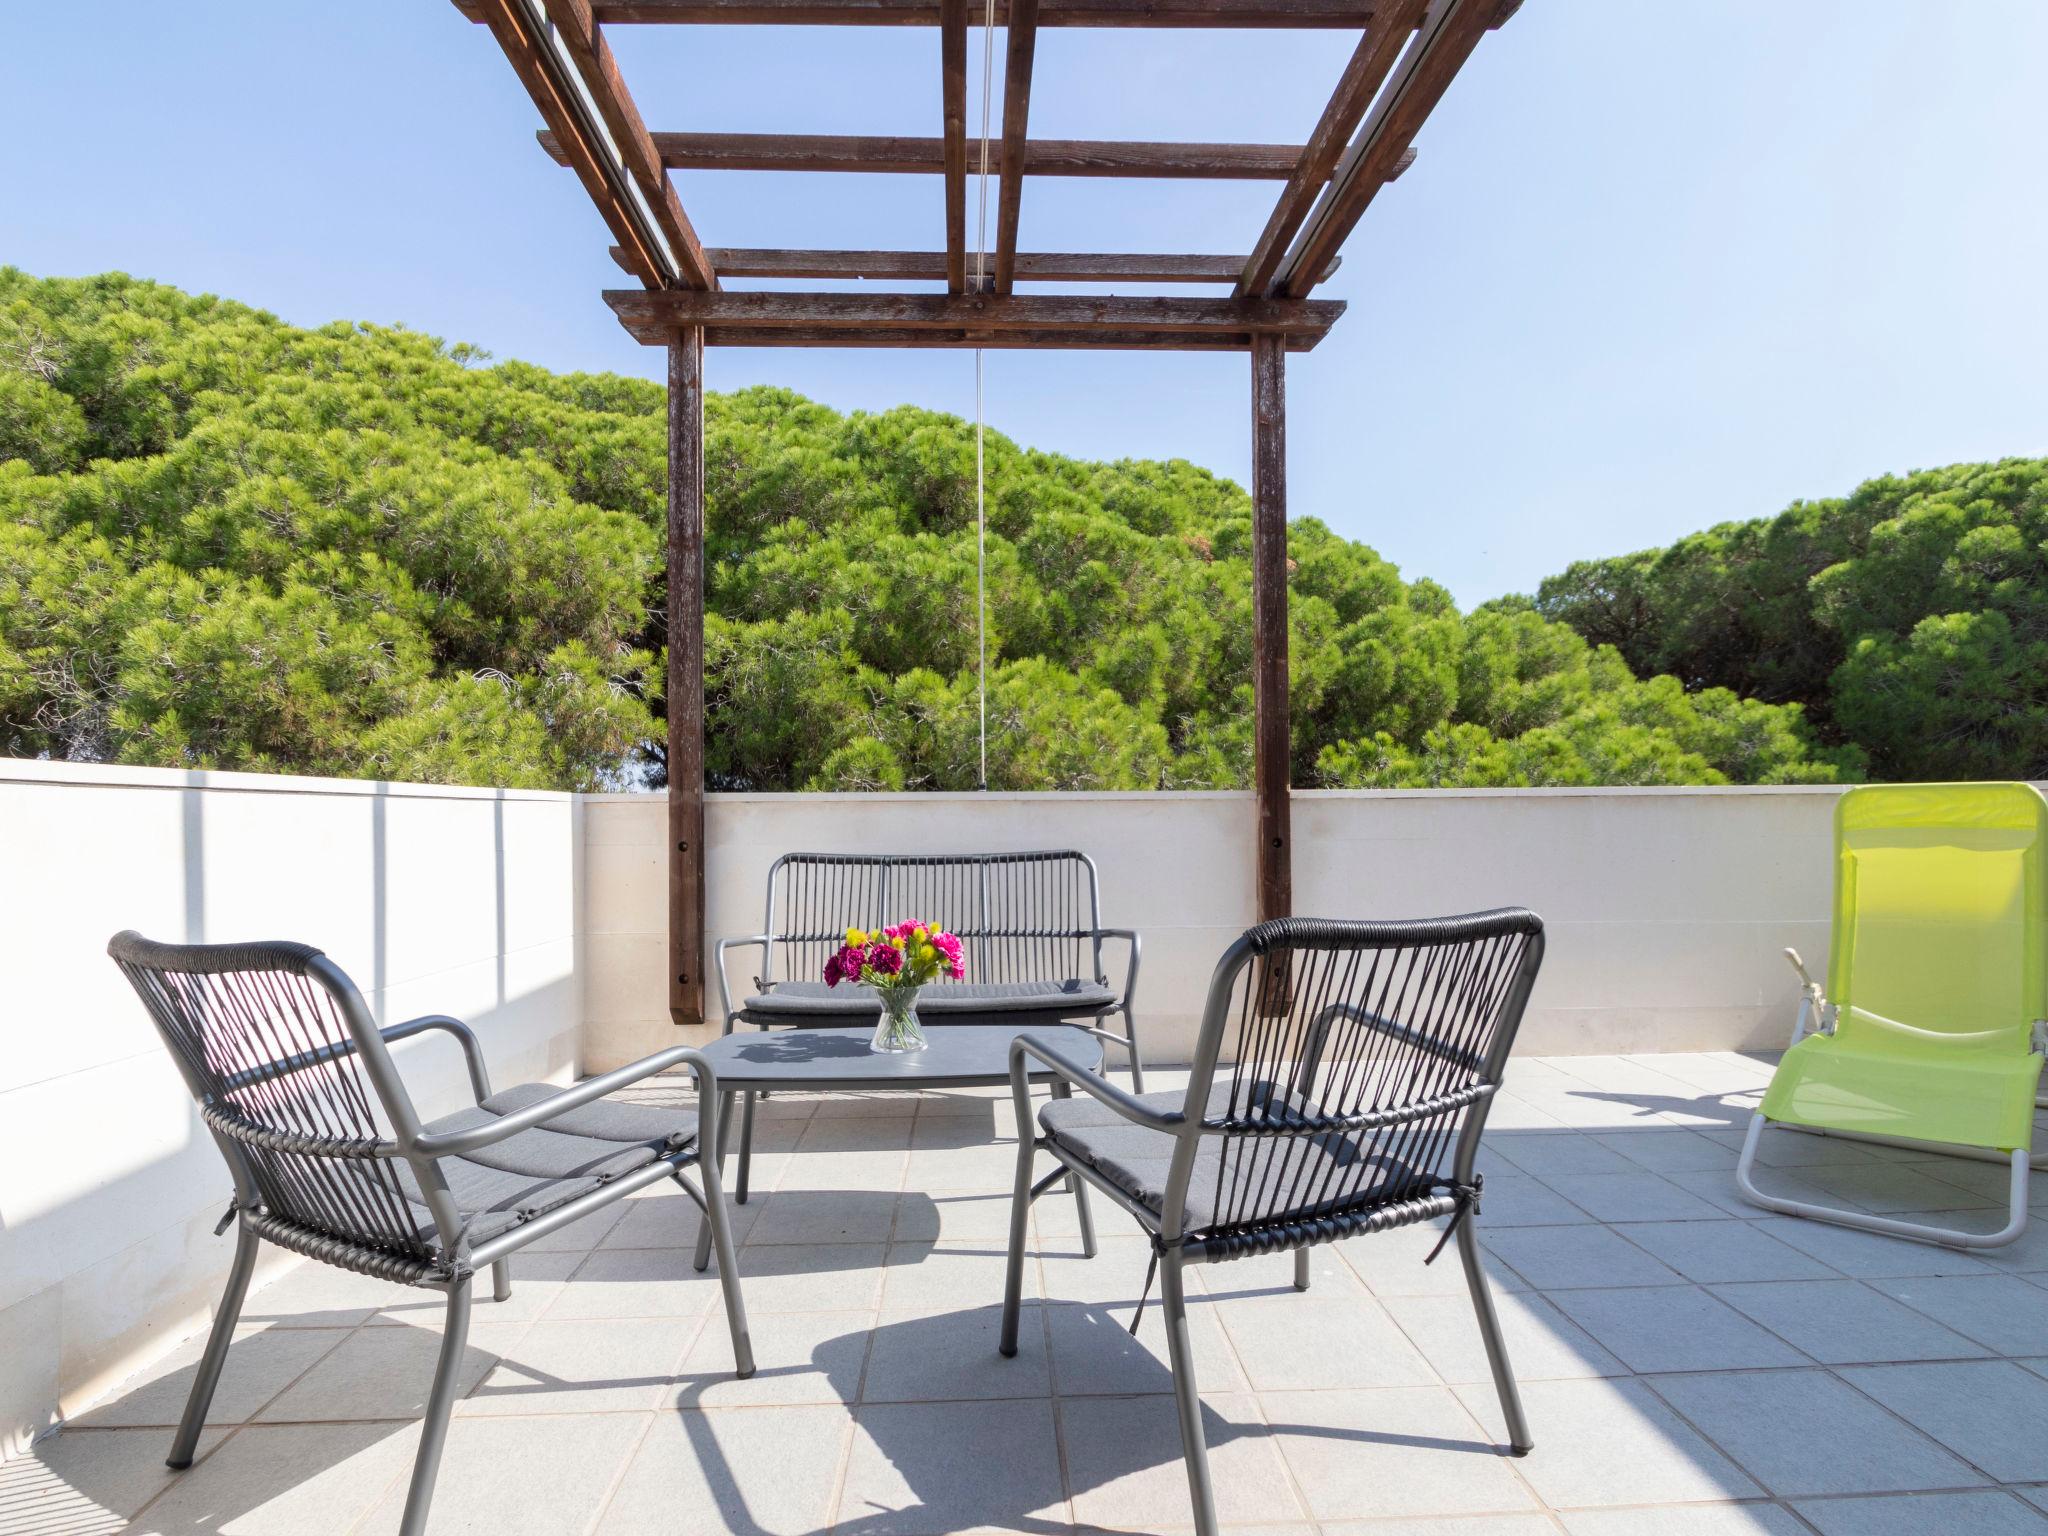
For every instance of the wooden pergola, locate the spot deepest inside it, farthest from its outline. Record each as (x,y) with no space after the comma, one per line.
(1406,56)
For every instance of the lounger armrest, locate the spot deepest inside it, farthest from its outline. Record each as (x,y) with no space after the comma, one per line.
(457,1143)
(1132,1108)
(725,985)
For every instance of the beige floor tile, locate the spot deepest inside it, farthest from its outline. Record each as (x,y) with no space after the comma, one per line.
(87,1482)
(931,1469)
(2001,1312)
(855,1133)
(823,1216)
(542,1476)
(1870,1255)
(1391,1263)
(1913,1514)
(1292,1341)
(764,1472)
(583,1235)
(1989,1412)
(945,1277)
(386,1373)
(799,1357)
(283,1480)
(872,1171)
(1717,1253)
(671,1220)
(1564,1258)
(321,1296)
(593,1365)
(1397,1451)
(954,1215)
(821,1277)
(637,1282)
(1459,1525)
(1115,1277)
(1125,1466)
(1610,1443)
(934,1357)
(1746,1413)
(1095,1353)
(1674,1328)
(1543,1343)
(1841,1322)
(1751,1519)
(262,1363)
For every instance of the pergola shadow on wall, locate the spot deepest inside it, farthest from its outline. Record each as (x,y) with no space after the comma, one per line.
(1406,56)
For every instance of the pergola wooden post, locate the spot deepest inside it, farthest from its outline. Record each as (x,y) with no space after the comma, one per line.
(686,675)
(1403,61)
(1272,742)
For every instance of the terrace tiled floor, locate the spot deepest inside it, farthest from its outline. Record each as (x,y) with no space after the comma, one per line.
(1691,1367)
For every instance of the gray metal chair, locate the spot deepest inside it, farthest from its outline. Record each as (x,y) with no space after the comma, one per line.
(1340,1085)
(331,1160)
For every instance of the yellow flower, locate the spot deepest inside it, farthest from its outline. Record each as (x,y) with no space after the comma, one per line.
(855,937)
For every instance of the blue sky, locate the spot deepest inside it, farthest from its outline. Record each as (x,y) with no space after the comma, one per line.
(1658,265)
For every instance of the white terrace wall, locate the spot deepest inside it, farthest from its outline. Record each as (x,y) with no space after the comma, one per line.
(1666,908)
(435,900)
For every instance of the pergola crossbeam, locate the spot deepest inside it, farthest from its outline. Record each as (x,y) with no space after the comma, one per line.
(1346,15)
(938,319)
(1019,49)
(936,266)
(910,155)
(953,107)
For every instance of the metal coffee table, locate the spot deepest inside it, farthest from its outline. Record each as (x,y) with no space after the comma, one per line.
(839,1060)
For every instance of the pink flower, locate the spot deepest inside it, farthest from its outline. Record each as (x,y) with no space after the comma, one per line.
(949,946)
(886,958)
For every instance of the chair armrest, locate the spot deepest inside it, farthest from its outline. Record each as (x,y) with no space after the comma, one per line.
(1130,936)
(1132,1108)
(472,1051)
(284,1066)
(725,986)
(456,1143)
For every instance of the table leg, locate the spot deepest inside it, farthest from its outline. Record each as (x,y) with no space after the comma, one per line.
(1075,1187)
(746,1149)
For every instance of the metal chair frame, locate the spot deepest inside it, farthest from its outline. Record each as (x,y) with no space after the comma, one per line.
(1427,1116)
(448,1265)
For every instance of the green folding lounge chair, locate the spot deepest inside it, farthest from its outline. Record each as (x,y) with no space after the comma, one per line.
(1932,1029)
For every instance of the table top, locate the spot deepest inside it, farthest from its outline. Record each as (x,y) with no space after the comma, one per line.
(959,1056)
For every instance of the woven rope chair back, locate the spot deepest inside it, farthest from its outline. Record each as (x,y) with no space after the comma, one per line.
(263,1036)
(1322,1041)
(1019,916)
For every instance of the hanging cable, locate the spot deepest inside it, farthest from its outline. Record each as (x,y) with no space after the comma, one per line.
(988,54)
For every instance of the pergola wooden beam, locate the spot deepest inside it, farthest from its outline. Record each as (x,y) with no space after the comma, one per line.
(942,320)
(526,50)
(911,155)
(953,108)
(936,266)
(1450,30)
(607,93)
(1020,47)
(1364,74)
(1346,15)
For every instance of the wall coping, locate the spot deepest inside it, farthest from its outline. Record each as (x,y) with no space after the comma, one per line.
(1158,796)
(19,770)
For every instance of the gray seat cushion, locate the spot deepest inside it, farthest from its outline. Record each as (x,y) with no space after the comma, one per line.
(512,1181)
(1309,1176)
(812,1002)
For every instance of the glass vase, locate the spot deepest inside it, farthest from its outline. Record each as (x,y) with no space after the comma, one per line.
(898,1028)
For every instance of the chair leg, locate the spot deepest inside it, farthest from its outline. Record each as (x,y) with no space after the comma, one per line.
(1496,1346)
(717,1224)
(1173,1305)
(224,1319)
(1076,1186)
(501,1280)
(1301,1269)
(739,1192)
(703,1255)
(1137,1063)
(426,1466)
(1020,1218)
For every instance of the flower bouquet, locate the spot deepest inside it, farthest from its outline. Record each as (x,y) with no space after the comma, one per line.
(897,962)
